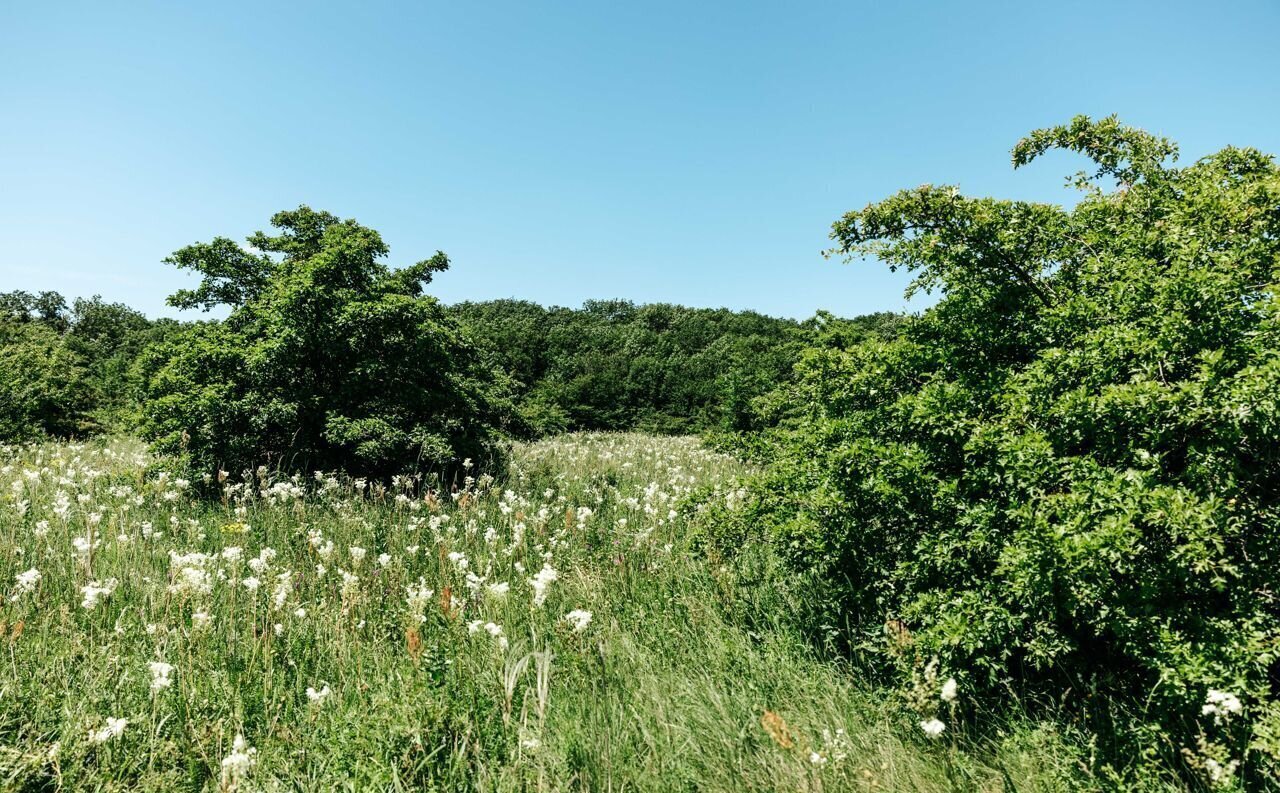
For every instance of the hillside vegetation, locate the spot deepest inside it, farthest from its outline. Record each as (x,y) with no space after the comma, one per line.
(1061,481)
(556,631)
(1026,539)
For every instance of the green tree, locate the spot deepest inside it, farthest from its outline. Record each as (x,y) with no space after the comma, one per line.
(329,359)
(42,383)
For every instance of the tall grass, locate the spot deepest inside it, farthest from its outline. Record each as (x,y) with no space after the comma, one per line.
(408,667)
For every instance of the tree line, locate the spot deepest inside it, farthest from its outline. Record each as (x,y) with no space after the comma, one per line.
(329,358)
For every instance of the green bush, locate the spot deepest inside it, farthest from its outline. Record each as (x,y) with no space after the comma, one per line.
(328,360)
(1062,479)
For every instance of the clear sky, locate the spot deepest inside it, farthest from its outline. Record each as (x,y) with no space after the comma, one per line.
(688,152)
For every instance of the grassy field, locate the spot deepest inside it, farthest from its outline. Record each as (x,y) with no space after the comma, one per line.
(554,630)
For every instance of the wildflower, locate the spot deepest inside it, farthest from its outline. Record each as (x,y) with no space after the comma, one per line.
(160,676)
(418,599)
(932,727)
(95,592)
(236,766)
(200,619)
(318,697)
(495,630)
(384,559)
(1220,704)
(190,574)
(817,759)
(540,582)
(499,590)
(284,585)
(27,581)
(110,730)
(949,690)
(251,583)
(579,619)
(300,613)
(357,555)
(260,563)
(1218,773)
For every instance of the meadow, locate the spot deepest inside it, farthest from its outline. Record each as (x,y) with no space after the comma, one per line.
(559,629)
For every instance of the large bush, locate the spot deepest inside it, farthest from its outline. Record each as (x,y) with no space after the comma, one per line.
(1063,478)
(328,359)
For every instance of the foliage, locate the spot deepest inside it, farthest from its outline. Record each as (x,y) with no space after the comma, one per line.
(329,359)
(41,383)
(613,365)
(1062,479)
(66,371)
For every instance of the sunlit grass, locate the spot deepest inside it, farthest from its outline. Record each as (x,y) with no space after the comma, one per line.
(363,638)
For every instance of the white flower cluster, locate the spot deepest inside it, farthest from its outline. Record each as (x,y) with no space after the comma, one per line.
(236,766)
(95,592)
(28,581)
(578,619)
(112,729)
(540,582)
(1221,705)
(161,676)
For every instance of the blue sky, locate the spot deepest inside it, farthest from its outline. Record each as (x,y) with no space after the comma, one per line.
(684,152)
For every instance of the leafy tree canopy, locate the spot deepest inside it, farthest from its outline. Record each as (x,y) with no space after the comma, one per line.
(329,359)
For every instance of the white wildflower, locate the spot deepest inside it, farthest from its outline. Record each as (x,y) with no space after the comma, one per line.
(96,591)
(1220,704)
(418,599)
(540,582)
(110,730)
(236,766)
(160,676)
(932,727)
(579,619)
(498,590)
(27,581)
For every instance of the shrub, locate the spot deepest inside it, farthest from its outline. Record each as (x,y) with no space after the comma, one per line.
(328,359)
(1062,478)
